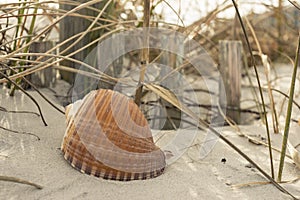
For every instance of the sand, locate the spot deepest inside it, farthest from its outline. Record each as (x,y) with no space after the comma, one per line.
(41,162)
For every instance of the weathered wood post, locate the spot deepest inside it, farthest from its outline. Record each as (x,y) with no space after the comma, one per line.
(72,25)
(171,61)
(104,53)
(230,58)
(46,77)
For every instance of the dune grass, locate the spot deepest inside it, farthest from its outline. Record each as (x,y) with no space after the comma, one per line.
(16,63)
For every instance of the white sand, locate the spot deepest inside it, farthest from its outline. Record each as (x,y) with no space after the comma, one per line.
(25,157)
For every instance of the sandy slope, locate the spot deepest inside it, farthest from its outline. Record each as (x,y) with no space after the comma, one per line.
(25,157)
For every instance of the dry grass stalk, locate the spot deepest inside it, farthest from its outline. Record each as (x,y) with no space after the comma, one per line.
(18,180)
(259,86)
(266,64)
(145,52)
(27,94)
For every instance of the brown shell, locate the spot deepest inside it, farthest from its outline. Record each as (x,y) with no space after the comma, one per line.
(108,136)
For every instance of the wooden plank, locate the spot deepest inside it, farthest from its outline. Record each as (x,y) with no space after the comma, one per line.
(72,25)
(230,58)
(46,77)
(172,61)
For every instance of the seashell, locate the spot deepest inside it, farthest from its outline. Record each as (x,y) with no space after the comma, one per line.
(108,136)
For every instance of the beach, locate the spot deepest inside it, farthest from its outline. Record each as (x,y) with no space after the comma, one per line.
(223,174)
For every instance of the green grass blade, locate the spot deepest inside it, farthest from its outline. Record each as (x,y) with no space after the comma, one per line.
(259,85)
(288,114)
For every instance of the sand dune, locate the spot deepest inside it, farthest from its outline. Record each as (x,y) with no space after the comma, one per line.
(41,161)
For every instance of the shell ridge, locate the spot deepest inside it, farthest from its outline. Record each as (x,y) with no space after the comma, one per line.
(95,144)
